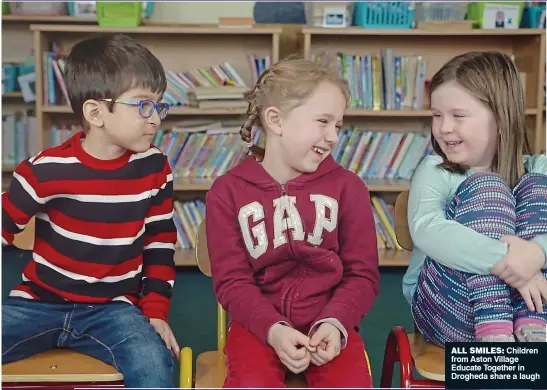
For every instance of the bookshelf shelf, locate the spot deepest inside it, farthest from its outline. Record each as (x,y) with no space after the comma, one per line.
(12,95)
(174,111)
(46,19)
(352,112)
(185,257)
(373,184)
(212,29)
(358,31)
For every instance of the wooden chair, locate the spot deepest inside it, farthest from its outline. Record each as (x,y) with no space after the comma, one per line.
(211,366)
(61,367)
(411,350)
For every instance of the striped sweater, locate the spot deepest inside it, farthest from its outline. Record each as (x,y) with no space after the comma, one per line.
(104,228)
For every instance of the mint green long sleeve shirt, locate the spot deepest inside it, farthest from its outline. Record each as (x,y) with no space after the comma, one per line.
(449,242)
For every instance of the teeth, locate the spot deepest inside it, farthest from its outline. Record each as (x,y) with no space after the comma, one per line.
(318,150)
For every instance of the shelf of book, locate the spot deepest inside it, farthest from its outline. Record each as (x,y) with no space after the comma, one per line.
(399,64)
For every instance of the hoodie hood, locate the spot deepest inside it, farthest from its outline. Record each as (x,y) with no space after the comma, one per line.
(251,171)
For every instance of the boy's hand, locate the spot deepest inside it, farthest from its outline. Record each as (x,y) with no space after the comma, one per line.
(292,347)
(327,340)
(533,292)
(524,259)
(166,334)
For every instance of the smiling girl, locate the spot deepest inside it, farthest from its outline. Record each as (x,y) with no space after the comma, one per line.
(292,241)
(477,211)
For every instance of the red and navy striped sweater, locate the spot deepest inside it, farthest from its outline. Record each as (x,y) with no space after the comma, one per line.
(104,228)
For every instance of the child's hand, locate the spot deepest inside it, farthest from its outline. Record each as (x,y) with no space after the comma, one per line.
(533,292)
(523,261)
(292,347)
(327,340)
(166,334)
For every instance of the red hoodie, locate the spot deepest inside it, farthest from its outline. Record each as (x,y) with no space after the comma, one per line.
(297,253)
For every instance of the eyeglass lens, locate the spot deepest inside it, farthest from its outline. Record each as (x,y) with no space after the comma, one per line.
(147,109)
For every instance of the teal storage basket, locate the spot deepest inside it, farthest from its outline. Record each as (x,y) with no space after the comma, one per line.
(531,17)
(389,14)
(9,78)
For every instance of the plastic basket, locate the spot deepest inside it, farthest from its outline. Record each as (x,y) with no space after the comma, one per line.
(9,78)
(531,17)
(119,14)
(393,14)
(475,10)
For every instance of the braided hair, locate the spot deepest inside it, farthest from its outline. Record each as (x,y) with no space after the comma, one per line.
(286,85)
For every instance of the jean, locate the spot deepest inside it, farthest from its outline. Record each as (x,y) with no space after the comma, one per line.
(448,304)
(116,333)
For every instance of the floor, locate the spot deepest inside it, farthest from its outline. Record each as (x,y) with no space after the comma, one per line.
(193,312)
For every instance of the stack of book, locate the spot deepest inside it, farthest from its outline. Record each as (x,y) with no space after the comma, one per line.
(227,97)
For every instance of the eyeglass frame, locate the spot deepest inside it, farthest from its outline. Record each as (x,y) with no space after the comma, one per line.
(140,104)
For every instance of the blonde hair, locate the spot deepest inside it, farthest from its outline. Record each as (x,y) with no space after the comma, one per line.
(492,78)
(286,86)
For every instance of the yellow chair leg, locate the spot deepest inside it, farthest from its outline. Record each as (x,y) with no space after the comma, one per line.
(186,368)
(368,363)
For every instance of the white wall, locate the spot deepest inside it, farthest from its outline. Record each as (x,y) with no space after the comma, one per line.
(200,12)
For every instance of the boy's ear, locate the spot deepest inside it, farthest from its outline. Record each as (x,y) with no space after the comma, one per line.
(93,112)
(272,119)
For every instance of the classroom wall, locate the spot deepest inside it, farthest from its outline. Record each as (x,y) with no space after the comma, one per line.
(199,12)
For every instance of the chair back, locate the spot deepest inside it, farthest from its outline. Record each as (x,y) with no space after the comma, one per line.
(25,239)
(204,265)
(202,254)
(401,221)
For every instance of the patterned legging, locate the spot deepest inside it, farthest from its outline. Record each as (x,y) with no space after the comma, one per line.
(449,304)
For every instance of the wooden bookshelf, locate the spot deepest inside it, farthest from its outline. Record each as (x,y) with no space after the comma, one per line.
(183,47)
(437,47)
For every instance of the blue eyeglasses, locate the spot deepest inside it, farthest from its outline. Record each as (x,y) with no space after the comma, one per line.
(146,107)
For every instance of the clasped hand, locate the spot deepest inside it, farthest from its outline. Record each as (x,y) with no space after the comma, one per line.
(296,350)
(521,269)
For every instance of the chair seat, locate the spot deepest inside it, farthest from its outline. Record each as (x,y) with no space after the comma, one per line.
(211,372)
(59,365)
(428,358)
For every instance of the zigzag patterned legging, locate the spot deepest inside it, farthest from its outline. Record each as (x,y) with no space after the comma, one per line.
(448,304)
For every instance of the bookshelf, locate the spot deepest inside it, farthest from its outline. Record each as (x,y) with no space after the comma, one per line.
(179,48)
(184,47)
(17,44)
(435,47)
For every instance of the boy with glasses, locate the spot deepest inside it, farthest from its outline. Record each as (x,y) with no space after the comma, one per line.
(102,270)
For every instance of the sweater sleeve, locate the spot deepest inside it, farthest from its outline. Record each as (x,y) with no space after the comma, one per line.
(159,249)
(21,202)
(233,277)
(358,251)
(448,242)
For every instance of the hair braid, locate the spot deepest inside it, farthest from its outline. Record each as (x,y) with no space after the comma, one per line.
(253,119)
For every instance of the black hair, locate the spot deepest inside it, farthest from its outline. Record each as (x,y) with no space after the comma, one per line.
(104,67)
